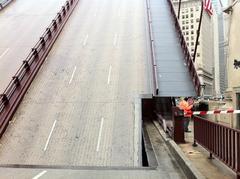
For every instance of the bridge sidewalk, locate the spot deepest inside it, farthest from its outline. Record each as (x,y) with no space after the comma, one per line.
(199,157)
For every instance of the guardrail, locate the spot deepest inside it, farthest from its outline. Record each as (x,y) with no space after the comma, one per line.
(221,141)
(187,55)
(18,86)
(4,3)
(152,47)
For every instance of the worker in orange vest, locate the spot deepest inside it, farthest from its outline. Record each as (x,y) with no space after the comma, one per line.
(186,105)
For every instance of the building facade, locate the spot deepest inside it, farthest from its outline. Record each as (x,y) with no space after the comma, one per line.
(189,21)
(222,47)
(233,60)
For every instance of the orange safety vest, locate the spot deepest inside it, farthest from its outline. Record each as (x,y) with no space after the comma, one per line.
(186,107)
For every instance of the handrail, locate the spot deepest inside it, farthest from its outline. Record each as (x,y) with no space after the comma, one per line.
(187,55)
(221,141)
(4,3)
(16,89)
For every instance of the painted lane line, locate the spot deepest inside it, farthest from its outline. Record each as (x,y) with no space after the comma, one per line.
(40,174)
(100,134)
(85,40)
(72,75)
(46,145)
(115,40)
(4,53)
(109,74)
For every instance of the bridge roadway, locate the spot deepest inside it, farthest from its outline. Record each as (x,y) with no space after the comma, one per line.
(80,108)
(21,25)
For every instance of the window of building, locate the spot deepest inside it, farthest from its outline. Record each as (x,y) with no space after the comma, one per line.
(192,32)
(186,21)
(183,17)
(183,27)
(187,44)
(197,8)
(191,9)
(187,38)
(183,22)
(197,20)
(187,33)
(192,26)
(198,54)
(192,43)
(192,50)
(191,15)
(191,20)
(187,27)
(192,38)
(186,16)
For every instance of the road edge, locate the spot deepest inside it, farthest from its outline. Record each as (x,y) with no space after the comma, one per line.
(187,166)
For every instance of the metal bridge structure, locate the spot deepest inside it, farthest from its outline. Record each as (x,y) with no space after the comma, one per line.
(73,108)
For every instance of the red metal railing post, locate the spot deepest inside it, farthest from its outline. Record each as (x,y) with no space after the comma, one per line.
(238,155)
(195,129)
(178,125)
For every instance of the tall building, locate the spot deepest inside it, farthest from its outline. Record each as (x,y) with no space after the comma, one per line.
(222,45)
(233,60)
(189,21)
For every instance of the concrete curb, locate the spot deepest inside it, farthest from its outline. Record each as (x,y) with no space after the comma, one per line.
(188,167)
(4,3)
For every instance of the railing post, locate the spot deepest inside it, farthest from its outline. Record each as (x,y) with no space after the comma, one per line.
(42,41)
(178,125)
(26,65)
(238,156)
(5,99)
(16,80)
(195,131)
(210,156)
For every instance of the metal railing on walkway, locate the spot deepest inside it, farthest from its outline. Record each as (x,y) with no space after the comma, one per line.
(187,55)
(4,3)
(221,141)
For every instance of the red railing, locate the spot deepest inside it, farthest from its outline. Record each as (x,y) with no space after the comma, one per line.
(16,89)
(187,55)
(221,141)
(4,3)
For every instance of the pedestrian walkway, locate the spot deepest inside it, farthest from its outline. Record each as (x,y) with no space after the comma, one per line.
(199,157)
(172,72)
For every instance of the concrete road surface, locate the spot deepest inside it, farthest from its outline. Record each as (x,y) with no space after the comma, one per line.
(80,108)
(21,25)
